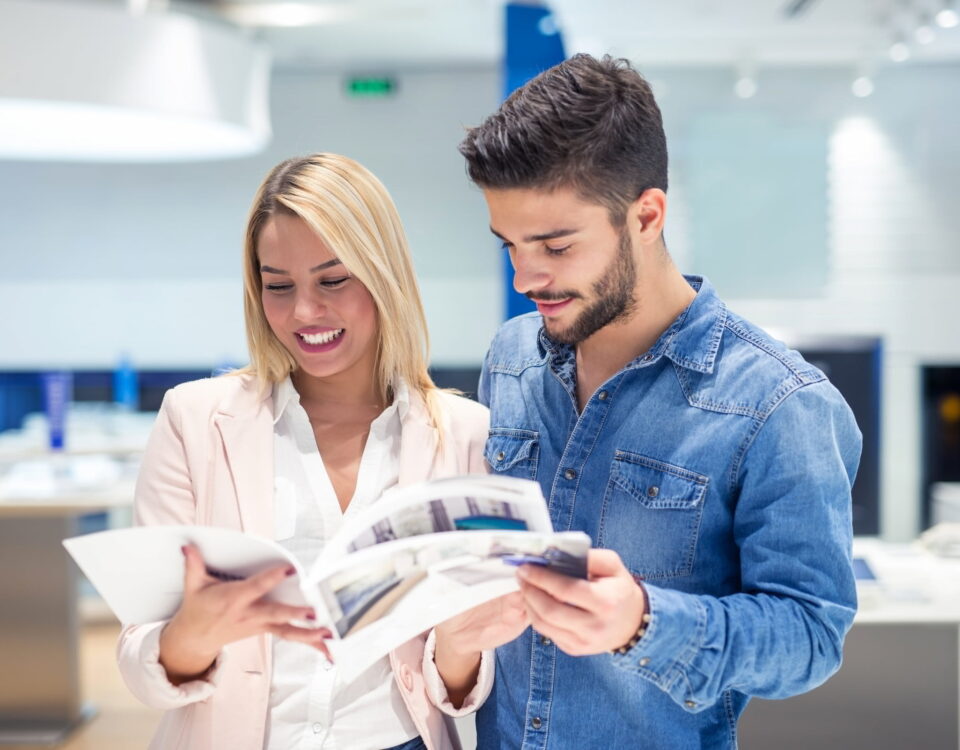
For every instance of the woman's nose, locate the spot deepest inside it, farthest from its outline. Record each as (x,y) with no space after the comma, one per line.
(309,306)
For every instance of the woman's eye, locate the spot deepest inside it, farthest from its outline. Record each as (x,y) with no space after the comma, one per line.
(278,288)
(334,283)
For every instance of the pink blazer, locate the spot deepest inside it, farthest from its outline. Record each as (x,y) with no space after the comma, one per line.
(209,461)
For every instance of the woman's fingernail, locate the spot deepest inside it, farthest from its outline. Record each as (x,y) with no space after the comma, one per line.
(183,549)
(311,616)
(290,571)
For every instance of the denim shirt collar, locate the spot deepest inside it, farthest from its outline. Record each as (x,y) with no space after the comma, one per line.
(692,340)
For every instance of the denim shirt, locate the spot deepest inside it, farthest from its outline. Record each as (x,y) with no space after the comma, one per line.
(718,465)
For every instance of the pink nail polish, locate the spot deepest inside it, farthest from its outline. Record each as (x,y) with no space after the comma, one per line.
(290,571)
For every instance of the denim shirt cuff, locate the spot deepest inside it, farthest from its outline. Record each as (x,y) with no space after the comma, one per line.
(671,642)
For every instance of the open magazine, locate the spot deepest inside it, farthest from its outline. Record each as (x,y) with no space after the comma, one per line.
(418,556)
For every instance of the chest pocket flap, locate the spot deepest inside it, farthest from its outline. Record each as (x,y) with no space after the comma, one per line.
(513,452)
(656,484)
(651,515)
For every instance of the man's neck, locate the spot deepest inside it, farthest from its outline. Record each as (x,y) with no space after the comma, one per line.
(658,304)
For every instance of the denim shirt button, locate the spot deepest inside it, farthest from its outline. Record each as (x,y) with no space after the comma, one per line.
(501,455)
(544,641)
(644,661)
(690,704)
(653,491)
(647,357)
(535,722)
(603,395)
(570,474)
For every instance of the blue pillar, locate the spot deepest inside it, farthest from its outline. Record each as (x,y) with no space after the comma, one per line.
(533,44)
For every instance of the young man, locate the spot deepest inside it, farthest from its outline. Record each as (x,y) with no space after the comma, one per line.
(710,465)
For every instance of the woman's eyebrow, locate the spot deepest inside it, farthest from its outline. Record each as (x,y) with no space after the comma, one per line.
(271,269)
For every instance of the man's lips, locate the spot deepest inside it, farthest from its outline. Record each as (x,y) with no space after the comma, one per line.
(548,308)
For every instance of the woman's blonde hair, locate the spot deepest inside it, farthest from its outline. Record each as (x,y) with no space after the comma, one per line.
(352,212)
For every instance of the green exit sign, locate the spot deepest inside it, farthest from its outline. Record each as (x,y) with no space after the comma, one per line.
(371,86)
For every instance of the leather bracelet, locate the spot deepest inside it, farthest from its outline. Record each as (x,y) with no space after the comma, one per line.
(641,631)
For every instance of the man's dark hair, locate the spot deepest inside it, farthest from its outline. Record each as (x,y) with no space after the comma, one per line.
(588,124)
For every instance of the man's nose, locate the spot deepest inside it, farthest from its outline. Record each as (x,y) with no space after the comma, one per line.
(529,275)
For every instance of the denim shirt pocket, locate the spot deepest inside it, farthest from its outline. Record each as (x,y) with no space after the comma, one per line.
(651,515)
(513,452)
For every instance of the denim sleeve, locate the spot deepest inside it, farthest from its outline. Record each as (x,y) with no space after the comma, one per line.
(782,634)
(483,387)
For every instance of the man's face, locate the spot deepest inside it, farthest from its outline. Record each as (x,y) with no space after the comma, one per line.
(567,258)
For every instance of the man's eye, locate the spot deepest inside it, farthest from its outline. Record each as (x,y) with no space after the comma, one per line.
(505,246)
(557,250)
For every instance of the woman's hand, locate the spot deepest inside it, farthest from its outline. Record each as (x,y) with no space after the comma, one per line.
(214,614)
(461,639)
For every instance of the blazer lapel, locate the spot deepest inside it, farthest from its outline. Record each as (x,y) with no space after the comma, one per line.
(246,429)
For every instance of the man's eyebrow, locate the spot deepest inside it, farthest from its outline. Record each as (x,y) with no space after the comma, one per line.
(555,234)
(271,269)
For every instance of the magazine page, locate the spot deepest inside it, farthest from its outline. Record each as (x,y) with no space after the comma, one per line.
(139,571)
(381,596)
(466,503)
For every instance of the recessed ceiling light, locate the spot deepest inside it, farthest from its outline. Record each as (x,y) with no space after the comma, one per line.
(862,86)
(286,14)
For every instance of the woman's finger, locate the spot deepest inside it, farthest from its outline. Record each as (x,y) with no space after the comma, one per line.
(315,637)
(278,614)
(194,571)
(262,583)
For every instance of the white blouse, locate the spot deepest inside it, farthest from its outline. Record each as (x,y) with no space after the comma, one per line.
(309,706)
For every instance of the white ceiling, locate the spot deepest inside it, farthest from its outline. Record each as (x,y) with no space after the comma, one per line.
(405,33)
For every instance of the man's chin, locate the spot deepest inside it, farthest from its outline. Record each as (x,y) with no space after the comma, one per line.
(559,333)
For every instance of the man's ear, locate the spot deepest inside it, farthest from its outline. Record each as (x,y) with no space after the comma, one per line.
(647,214)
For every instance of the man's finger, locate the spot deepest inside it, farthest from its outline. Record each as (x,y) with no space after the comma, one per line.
(575,591)
(553,611)
(558,631)
(603,563)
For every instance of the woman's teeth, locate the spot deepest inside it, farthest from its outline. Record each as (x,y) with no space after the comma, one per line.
(320,338)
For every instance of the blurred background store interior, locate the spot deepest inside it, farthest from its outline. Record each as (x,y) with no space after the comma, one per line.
(814,179)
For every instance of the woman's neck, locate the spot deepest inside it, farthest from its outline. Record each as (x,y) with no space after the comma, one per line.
(338,393)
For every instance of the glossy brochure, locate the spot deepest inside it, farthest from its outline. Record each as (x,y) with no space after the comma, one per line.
(416,557)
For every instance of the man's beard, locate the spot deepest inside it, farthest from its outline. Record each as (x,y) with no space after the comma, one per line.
(613,297)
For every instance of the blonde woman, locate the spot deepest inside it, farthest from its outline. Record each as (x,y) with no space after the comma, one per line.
(335,407)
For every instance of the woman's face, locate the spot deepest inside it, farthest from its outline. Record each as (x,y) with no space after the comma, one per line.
(324,317)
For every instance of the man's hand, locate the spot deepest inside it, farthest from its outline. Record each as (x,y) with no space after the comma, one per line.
(461,639)
(585,617)
(214,614)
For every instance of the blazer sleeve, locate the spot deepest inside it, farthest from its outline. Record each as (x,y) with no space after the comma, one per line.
(164,495)
(469,422)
